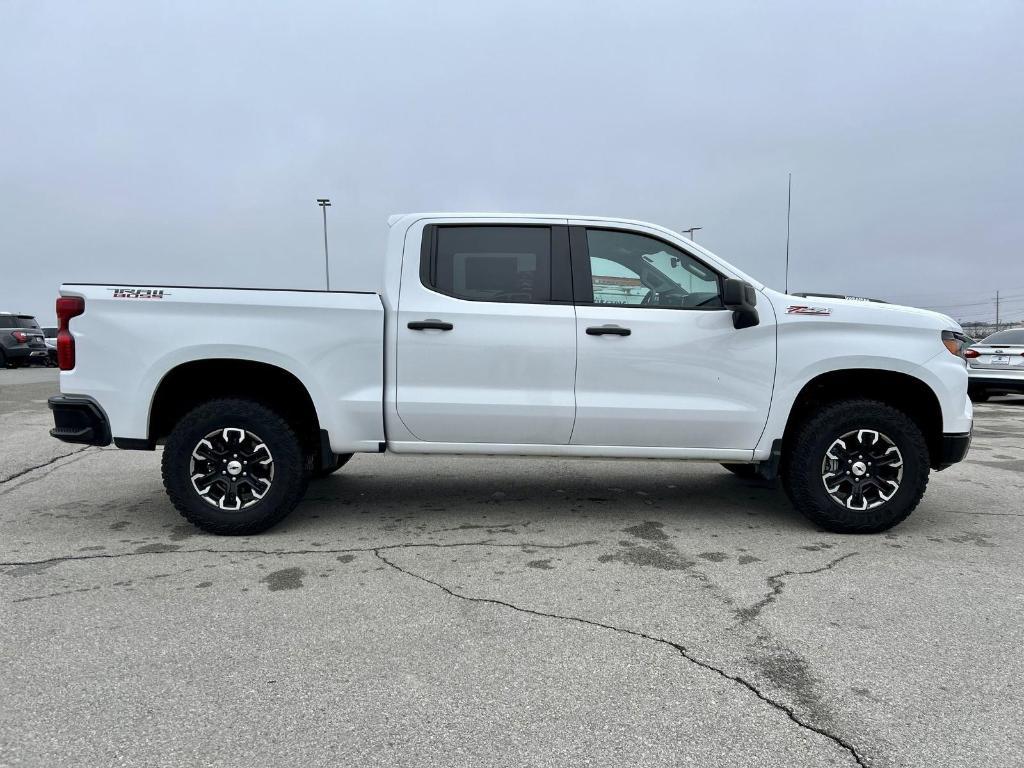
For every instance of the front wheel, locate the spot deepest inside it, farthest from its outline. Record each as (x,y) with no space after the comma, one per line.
(857,466)
(233,467)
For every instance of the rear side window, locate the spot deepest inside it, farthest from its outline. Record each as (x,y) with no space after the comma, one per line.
(494,263)
(16,321)
(1008,338)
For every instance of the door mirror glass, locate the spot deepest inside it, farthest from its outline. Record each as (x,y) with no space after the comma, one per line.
(741,298)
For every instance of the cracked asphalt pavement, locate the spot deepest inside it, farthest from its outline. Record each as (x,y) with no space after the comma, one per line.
(443,611)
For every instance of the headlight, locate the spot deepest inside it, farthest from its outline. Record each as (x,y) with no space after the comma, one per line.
(955,343)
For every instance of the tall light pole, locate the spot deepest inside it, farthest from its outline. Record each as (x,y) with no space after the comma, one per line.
(689,232)
(789,208)
(324,203)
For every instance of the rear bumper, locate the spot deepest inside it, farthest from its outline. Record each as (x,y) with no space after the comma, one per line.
(954,449)
(79,419)
(23,353)
(996,383)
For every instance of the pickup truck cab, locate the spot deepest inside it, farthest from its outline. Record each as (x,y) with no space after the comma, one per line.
(528,335)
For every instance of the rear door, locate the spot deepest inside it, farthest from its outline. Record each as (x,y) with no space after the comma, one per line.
(659,362)
(486,336)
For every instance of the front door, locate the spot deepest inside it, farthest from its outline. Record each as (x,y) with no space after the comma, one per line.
(486,349)
(659,363)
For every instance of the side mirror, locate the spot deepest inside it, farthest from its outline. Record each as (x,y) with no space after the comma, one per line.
(741,298)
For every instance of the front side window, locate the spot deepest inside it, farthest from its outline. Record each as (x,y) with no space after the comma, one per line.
(628,269)
(494,263)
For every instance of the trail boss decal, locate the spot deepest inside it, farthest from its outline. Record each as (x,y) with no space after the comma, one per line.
(802,309)
(138,293)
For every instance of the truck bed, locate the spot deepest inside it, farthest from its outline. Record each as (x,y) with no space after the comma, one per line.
(332,341)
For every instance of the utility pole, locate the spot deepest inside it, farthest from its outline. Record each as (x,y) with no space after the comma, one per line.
(689,232)
(324,203)
(997,310)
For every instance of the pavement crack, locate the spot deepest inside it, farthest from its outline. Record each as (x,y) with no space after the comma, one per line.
(172,550)
(55,459)
(685,652)
(777,583)
(43,465)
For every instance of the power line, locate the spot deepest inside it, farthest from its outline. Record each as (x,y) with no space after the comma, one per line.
(988,303)
(960,293)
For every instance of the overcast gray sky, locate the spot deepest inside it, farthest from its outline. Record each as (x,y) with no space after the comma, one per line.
(185,142)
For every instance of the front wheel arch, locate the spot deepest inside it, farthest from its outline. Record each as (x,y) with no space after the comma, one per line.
(901,391)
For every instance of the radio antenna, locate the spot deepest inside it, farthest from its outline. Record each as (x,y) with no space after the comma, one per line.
(789,208)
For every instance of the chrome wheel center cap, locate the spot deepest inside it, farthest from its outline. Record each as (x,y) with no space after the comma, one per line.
(234,467)
(858,468)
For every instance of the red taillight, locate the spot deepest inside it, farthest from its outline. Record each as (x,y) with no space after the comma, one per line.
(971,353)
(67,307)
(20,336)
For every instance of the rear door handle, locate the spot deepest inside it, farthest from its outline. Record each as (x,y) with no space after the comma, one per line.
(430,325)
(608,330)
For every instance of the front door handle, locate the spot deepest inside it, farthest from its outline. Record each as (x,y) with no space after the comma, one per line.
(608,330)
(430,325)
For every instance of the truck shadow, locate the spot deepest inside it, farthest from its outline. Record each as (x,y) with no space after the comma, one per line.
(519,492)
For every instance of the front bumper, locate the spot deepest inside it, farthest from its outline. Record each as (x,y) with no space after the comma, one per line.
(954,448)
(79,419)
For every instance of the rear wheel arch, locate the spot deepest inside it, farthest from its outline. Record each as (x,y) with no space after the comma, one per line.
(189,384)
(902,391)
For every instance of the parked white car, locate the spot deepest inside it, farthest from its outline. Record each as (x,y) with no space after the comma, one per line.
(524,335)
(996,364)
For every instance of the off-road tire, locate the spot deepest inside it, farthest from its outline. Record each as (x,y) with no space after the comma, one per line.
(745,471)
(802,465)
(339,462)
(289,479)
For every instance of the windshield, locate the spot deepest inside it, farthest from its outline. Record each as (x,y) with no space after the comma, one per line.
(50,333)
(1012,337)
(687,275)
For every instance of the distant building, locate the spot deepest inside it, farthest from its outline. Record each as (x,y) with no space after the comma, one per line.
(618,290)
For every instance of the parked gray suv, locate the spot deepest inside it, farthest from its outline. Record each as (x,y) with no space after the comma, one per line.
(21,341)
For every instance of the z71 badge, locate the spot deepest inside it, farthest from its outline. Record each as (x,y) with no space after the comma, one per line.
(138,293)
(801,309)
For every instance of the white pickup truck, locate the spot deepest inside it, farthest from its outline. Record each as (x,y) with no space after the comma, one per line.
(519,335)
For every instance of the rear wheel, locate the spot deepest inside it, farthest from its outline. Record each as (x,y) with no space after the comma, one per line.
(3,359)
(857,466)
(233,467)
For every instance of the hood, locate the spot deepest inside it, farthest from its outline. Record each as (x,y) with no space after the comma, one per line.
(858,310)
